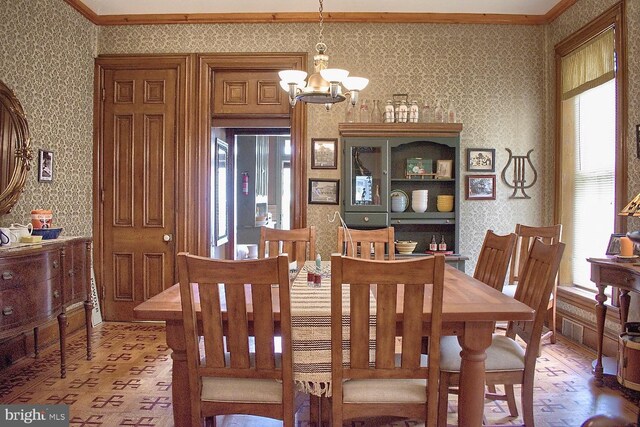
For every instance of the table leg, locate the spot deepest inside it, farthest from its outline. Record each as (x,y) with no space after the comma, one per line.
(601,313)
(474,342)
(62,328)
(180,380)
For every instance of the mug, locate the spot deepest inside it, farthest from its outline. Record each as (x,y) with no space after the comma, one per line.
(5,238)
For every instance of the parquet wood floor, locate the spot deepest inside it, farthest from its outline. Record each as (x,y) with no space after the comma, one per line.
(128,383)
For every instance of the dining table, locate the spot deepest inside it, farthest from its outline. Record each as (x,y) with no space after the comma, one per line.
(470,310)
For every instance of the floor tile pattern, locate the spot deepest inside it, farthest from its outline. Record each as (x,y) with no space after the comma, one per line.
(128,383)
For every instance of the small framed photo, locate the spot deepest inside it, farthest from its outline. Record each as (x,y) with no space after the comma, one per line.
(45,166)
(419,167)
(324,191)
(324,153)
(613,248)
(444,169)
(481,187)
(481,159)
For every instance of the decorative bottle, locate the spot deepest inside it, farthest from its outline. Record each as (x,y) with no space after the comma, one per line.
(438,113)
(442,246)
(349,116)
(433,246)
(425,115)
(376,112)
(364,114)
(389,116)
(414,112)
(376,196)
(451,113)
(403,112)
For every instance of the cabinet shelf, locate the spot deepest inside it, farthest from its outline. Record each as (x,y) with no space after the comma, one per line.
(420,181)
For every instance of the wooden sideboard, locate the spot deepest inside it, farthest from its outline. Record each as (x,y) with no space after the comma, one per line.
(39,282)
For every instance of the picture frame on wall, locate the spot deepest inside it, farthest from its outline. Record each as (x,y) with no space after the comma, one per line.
(480,187)
(45,166)
(324,191)
(324,153)
(481,159)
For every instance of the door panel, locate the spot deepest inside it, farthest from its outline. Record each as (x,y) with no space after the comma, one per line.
(139,150)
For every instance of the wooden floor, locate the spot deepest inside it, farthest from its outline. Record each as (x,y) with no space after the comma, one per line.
(128,383)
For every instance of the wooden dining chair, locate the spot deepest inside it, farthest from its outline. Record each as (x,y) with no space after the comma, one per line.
(299,243)
(526,235)
(494,258)
(507,363)
(389,384)
(235,379)
(367,244)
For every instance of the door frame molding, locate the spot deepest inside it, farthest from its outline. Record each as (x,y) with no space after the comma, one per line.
(184,220)
(207,65)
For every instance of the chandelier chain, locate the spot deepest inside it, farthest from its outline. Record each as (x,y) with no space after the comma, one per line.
(321,22)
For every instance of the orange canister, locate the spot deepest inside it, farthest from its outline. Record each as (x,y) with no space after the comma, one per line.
(41,218)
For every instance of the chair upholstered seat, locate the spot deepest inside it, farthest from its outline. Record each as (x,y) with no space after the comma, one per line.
(244,390)
(504,354)
(384,391)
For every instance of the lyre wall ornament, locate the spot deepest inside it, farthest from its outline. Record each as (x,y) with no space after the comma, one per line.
(519,180)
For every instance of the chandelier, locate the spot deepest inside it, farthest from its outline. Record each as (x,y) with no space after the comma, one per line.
(324,85)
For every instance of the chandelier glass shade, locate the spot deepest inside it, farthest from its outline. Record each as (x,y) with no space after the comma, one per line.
(324,86)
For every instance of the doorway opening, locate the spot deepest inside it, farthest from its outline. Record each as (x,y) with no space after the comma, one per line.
(258,190)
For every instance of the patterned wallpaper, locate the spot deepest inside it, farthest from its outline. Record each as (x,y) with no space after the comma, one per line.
(500,78)
(46,58)
(492,73)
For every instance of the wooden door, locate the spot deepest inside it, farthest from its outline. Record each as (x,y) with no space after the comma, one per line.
(139,162)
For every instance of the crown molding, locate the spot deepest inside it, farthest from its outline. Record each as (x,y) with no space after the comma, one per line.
(343,17)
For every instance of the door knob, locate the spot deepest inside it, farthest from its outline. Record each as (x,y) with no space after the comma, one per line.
(167,237)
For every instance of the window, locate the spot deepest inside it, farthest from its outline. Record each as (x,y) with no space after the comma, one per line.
(591,181)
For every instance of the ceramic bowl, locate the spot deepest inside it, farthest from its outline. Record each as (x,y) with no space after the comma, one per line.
(405,246)
(47,233)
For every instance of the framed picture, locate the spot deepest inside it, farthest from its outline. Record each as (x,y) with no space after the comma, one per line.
(324,153)
(417,166)
(45,166)
(613,248)
(444,169)
(324,191)
(481,159)
(481,187)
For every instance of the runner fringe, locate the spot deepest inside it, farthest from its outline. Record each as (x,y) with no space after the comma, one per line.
(315,388)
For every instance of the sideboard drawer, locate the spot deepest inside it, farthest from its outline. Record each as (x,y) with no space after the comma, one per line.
(29,303)
(369,220)
(19,271)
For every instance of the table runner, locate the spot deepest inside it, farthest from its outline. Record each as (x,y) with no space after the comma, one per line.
(311,330)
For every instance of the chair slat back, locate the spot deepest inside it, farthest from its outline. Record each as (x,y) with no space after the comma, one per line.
(537,280)
(367,244)
(299,244)
(403,289)
(223,286)
(494,258)
(526,235)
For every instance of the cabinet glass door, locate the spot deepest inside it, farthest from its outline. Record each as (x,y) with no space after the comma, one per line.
(366,175)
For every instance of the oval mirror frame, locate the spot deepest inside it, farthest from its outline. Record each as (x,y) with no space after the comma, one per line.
(23,155)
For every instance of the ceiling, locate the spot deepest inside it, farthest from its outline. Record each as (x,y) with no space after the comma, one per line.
(136,7)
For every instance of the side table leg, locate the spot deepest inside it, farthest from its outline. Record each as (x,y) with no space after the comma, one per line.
(601,313)
(88,309)
(36,351)
(62,327)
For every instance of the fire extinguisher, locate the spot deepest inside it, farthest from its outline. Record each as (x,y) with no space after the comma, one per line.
(245,183)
